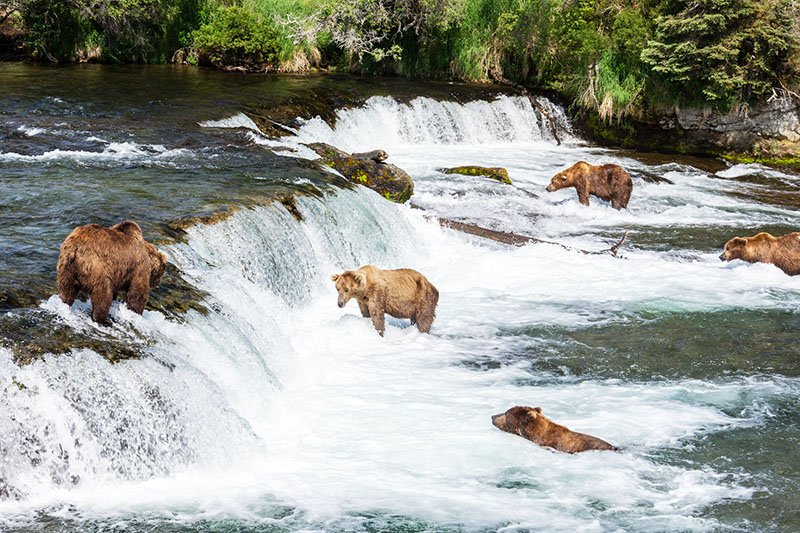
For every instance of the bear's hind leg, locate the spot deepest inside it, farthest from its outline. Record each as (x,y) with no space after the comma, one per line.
(68,286)
(426,310)
(68,293)
(138,292)
(102,295)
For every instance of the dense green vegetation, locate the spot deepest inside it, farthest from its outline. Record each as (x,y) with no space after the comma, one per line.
(613,56)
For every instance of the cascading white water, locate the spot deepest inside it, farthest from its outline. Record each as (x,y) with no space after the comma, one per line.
(385,122)
(279,399)
(278,409)
(425,135)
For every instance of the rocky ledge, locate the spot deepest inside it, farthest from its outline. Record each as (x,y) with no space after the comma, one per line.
(765,133)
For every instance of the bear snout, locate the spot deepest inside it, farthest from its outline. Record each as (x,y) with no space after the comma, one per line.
(341,302)
(722,257)
(497,420)
(550,188)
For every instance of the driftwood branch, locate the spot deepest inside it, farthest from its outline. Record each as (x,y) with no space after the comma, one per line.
(515,239)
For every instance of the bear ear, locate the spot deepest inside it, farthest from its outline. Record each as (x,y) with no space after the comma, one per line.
(739,241)
(361,279)
(334,277)
(534,412)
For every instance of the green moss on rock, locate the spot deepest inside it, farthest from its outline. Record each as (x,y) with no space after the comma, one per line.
(496,173)
(391,182)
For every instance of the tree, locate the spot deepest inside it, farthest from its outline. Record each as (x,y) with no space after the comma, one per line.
(722,51)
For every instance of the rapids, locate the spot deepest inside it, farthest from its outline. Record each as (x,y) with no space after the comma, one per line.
(278,411)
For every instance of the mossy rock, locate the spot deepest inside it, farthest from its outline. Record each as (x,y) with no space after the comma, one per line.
(32,333)
(391,182)
(496,173)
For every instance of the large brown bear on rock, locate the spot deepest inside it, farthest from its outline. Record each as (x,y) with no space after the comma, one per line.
(609,182)
(783,252)
(104,261)
(529,422)
(403,293)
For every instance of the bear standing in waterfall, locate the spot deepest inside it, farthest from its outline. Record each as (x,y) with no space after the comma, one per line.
(104,261)
(783,251)
(529,422)
(402,293)
(608,182)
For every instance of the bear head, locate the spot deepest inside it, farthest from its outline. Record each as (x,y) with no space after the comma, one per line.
(566,178)
(734,249)
(516,419)
(158,264)
(752,249)
(349,284)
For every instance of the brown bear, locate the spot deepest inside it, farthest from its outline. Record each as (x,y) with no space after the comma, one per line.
(403,293)
(783,252)
(529,422)
(609,182)
(104,261)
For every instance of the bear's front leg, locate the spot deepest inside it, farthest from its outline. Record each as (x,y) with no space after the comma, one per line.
(583,193)
(362,304)
(376,311)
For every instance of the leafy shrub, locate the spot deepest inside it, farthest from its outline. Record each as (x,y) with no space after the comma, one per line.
(236,35)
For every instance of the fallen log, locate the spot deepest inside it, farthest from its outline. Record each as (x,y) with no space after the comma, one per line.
(515,239)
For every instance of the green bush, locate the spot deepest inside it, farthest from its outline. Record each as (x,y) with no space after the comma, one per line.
(611,56)
(235,35)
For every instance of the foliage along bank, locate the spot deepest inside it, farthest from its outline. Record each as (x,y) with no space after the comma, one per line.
(620,61)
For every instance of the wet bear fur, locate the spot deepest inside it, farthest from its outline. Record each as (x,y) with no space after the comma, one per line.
(529,422)
(402,293)
(610,182)
(783,251)
(104,261)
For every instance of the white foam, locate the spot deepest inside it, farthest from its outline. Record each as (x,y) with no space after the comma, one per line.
(383,122)
(740,170)
(30,131)
(113,151)
(239,120)
(278,397)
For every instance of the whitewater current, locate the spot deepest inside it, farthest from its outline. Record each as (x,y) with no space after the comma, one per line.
(276,409)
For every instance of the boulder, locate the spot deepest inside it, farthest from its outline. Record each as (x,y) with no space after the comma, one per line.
(496,173)
(389,181)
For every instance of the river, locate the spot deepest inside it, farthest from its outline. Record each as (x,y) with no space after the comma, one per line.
(265,407)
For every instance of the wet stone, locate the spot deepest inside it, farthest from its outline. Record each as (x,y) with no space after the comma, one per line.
(496,173)
(391,182)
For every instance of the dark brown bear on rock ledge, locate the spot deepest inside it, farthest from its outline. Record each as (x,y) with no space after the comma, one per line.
(402,293)
(529,422)
(783,251)
(610,182)
(104,261)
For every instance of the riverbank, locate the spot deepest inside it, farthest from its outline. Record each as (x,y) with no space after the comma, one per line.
(767,134)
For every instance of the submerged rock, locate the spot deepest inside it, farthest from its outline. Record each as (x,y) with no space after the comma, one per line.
(496,173)
(31,334)
(391,182)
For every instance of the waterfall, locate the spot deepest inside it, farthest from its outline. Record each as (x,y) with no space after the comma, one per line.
(277,399)
(387,123)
